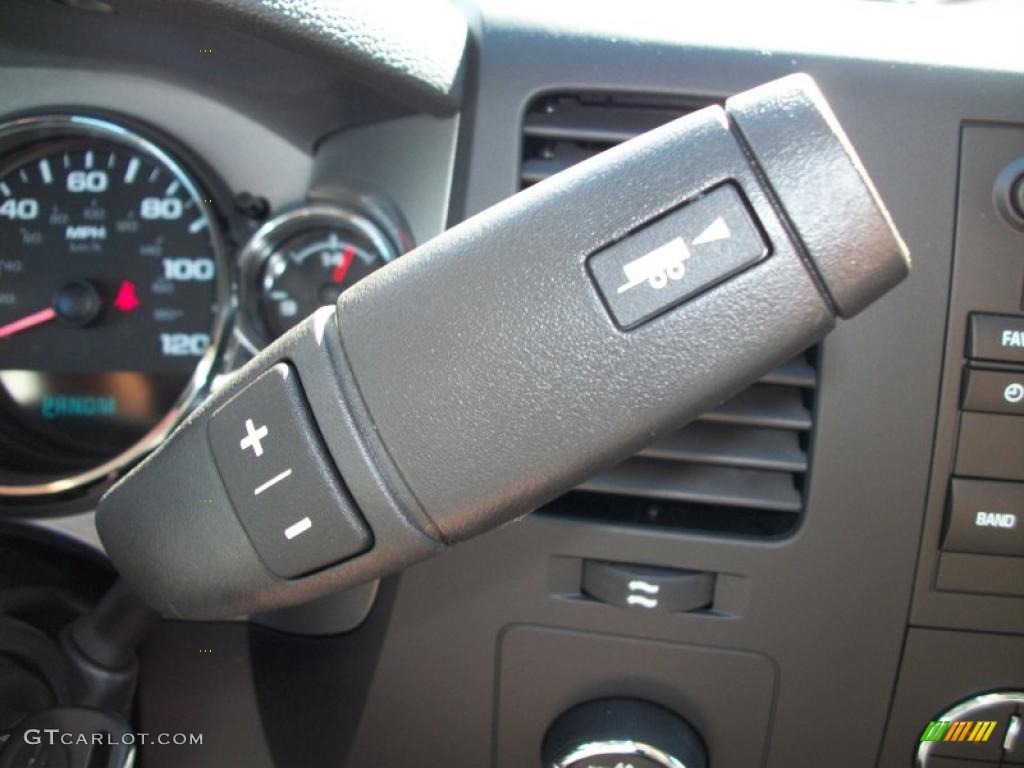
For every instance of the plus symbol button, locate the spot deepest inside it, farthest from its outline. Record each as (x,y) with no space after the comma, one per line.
(253,437)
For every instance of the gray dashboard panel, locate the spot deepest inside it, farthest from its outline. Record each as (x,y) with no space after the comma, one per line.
(988,276)
(389,158)
(829,606)
(731,687)
(302,68)
(414,49)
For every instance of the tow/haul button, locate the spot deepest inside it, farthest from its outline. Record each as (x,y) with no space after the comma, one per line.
(285,490)
(677,256)
(985,518)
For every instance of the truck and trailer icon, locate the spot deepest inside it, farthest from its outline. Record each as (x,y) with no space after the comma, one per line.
(656,268)
(667,262)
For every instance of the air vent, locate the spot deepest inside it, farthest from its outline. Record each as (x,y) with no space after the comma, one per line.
(740,469)
(560,130)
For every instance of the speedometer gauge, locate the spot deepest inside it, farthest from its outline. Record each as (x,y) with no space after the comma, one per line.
(112,299)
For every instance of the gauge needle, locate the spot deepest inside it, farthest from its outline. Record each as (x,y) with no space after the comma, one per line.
(29,321)
(346,261)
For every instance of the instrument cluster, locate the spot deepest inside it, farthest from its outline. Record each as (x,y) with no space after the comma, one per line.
(129,280)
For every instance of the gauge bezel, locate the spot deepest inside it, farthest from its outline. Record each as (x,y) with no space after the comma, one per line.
(269,237)
(18,133)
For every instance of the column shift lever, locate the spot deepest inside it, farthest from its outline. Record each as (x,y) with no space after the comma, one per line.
(506,360)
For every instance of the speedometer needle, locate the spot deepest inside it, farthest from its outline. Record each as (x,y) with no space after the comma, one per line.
(29,321)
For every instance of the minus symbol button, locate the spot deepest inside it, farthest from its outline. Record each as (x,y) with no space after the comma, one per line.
(296,528)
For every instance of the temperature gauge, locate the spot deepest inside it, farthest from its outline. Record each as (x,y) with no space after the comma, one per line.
(306,258)
(311,269)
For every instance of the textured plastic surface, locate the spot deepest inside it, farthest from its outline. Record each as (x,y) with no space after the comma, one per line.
(332,614)
(171,531)
(812,598)
(841,587)
(819,179)
(878,379)
(281,483)
(524,385)
(414,50)
(509,384)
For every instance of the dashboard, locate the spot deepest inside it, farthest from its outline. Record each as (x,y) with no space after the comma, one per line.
(847,528)
(121,258)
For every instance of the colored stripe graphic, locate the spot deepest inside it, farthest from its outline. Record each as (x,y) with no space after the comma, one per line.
(959,730)
(983,730)
(935,731)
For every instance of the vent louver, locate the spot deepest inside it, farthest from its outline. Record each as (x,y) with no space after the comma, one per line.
(560,130)
(740,469)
